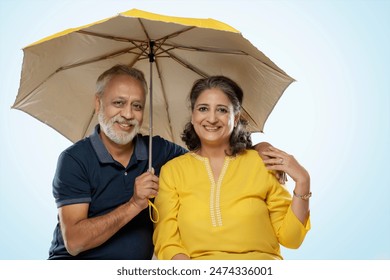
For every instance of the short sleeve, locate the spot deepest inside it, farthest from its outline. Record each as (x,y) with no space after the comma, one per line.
(70,183)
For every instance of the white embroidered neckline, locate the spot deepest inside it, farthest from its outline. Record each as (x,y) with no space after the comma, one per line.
(215,188)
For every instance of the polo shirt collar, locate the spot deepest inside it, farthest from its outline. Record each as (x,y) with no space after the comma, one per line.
(140,147)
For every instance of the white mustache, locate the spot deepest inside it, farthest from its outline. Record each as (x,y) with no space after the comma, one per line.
(122,120)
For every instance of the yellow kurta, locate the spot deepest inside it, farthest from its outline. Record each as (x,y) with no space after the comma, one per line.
(245,215)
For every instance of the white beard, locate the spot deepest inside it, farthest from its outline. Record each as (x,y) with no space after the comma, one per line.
(107,126)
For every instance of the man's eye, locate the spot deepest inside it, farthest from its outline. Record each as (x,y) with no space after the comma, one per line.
(118,103)
(138,107)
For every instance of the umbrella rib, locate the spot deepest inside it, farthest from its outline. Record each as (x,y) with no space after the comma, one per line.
(144,29)
(89,123)
(127,40)
(138,44)
(199,49)
(187,65)
(175,34)
(63,68)
(109,37)
(248,116)
(95,60)
(169,36)
(217,51)
(31,93)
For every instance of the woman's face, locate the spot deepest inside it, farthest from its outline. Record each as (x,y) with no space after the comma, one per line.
(213,118)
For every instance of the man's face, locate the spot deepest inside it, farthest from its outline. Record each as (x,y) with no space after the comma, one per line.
(121,108)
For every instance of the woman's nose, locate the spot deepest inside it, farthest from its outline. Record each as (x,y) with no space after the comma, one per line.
(212,117)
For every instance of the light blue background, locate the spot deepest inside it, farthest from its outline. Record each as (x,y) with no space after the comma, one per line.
(334,119)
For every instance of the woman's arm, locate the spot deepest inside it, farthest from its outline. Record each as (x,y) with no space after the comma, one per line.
(281,161)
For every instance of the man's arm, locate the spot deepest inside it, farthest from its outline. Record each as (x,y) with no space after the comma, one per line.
(81,233)
(264,147)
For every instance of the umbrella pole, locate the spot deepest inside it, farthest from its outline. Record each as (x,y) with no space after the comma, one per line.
(151,60)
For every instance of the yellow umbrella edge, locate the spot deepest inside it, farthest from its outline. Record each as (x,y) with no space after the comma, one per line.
(65,32)
(197,22)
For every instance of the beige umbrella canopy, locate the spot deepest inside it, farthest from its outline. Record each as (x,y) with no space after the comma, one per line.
(59,72)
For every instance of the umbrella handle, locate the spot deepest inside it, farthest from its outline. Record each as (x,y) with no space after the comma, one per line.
(151,207)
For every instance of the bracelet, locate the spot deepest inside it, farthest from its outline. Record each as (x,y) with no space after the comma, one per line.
(303,197)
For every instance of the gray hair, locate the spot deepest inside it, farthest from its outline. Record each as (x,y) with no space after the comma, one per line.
(119,69)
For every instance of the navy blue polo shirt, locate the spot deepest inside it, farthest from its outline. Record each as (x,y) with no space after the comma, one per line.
(87,173)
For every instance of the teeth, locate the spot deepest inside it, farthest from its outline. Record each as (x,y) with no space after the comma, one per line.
(213,128)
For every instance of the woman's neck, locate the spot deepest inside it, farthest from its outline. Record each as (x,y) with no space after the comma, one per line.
(213,151)
(216,156)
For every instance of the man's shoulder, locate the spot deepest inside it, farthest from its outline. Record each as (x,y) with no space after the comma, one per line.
(145,138)
(160,142)
(79,148)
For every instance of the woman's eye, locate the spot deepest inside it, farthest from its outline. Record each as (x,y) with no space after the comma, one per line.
(222,110)
(202,109)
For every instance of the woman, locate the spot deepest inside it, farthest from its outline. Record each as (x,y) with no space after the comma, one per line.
(220,200)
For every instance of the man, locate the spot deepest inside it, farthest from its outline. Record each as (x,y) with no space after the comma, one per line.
(102,183)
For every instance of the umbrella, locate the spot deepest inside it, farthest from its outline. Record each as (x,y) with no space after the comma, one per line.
(59,72)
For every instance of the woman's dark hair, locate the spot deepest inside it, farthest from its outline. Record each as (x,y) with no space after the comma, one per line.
(240,139)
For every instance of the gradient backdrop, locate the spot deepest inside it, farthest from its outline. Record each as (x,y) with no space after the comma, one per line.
(334,119)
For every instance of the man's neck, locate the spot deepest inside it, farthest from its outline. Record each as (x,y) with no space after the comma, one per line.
(120,153)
